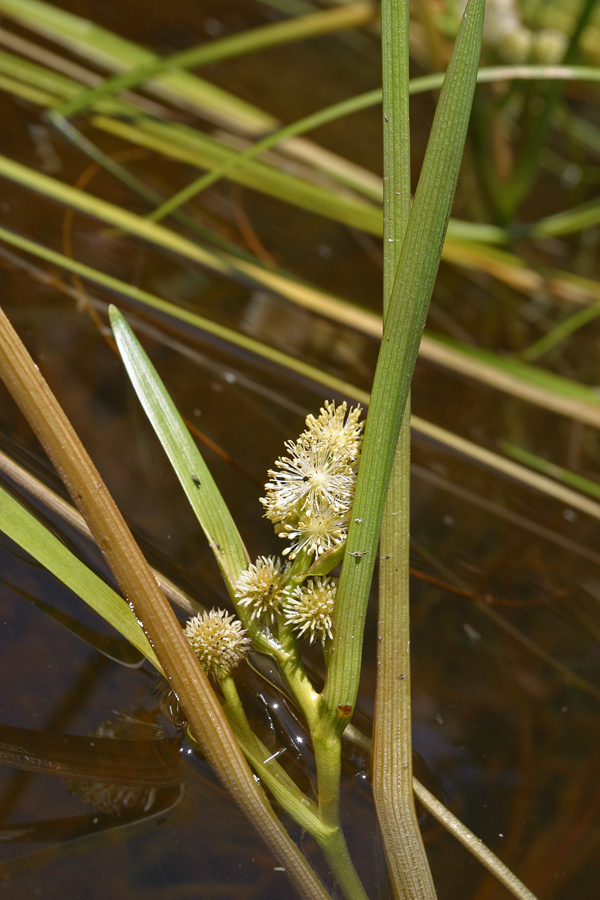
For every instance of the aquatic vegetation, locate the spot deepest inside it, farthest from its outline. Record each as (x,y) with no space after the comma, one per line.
(338,496)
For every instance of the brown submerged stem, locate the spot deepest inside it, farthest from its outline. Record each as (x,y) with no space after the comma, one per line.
(205,715)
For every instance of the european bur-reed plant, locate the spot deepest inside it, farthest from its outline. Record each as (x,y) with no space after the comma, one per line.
(326,498)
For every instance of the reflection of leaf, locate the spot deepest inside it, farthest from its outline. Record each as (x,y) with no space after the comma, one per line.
(33,537)
(154,763)
(120,651)
(176,808)
(66,827)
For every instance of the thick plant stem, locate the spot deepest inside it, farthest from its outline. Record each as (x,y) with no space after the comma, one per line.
(328,757)
(392,745)
(202,708)
(335,851)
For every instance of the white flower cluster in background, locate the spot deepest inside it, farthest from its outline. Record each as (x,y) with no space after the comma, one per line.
(310,496)
(505,33)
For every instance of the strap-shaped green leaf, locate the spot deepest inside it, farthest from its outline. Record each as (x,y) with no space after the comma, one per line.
(402,331)
(25,530)
(192,471)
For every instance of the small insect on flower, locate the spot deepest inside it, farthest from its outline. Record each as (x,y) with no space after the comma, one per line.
(310,608)
(260,587)
(218,640)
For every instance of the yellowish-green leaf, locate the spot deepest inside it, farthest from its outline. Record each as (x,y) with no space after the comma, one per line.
(25,530)
(193,473)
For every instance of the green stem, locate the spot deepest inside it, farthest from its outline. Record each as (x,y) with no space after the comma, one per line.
(327,833)
(328,757)
(392,745)
(552,470)
(335,851)
(473,844)
(560,332)
(290,663)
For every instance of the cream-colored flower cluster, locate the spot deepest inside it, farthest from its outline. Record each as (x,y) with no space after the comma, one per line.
(308,499)
(506,34)
(218,640)
(310,496)
(261,587)
(310,608)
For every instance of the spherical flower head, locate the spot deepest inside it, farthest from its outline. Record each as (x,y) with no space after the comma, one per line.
(335,431)
(310,607)
(515,47)
(218,640)
(260,587)
(310,478)
(315,533)
(310,496)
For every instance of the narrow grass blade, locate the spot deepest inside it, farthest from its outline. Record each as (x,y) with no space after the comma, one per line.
(231,166)
(181,88)
(188,145)
(499,464)
(250,41)
(579,482)
(560,333)
(192,146)
(193,473)
(328,382)
(473,844)
(531,383)
(25,530)
(219,263)
(403,328)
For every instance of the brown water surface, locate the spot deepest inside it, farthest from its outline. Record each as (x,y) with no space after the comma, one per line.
(506,665)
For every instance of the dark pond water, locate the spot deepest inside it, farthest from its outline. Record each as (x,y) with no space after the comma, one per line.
(506,683)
